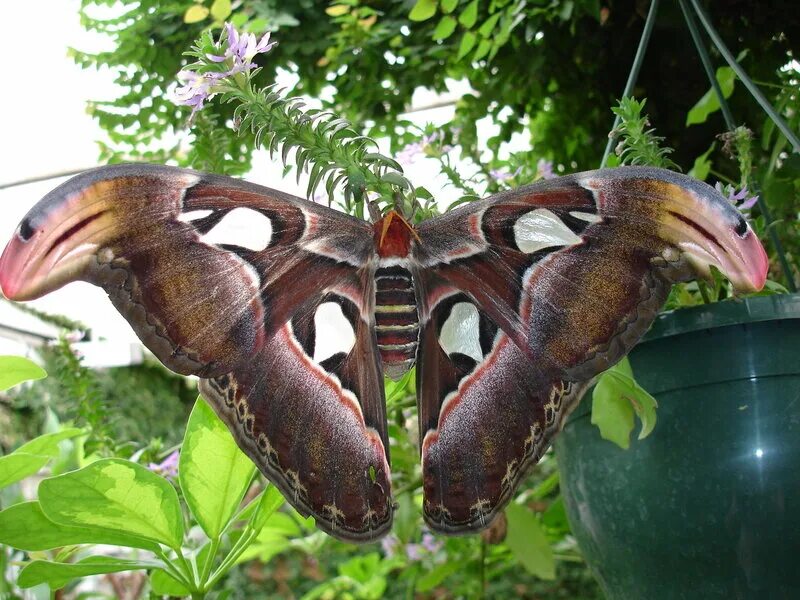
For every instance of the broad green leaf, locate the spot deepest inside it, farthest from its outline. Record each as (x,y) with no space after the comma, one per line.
(448,6)
(24,526)
(195,14)
(469,15)
(271,500)
(282,524)
(702,166)
(266,503)
(221,9)
(467,43)
(164,584)
(337,10)
(57,575)
(423,10)
(617,396)
(16,369)
(47,444)
(214,473)
(32,456)
(612,413)
(489,24)
(709,103)
(555,517)
(268,545)
(645,406)
(483,49)
(117,495)
(19,465)
(445,28)
(528,543)
(437,575)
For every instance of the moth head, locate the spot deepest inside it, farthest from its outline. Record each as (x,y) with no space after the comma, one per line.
(75,225)
(684,220)
(393,235)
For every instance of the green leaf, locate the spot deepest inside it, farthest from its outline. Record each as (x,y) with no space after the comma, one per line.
(445,28)
(24,526)
(269,501)
(483,49)
(702,166)
(16,369)
(214,473)
(469,15)
(19,465)
(47,444)
(437,575)
(612,413)
(164,584)
(448,6)
(617,396)
(57,575)
(423,10)
(116,495)
(528,543)
(709,103)
(467,43)
(221,9)
(195,14)
(489,24)
(32,456)
(337,10)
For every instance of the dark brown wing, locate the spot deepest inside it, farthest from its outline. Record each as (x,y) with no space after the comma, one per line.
(224,279)
(526,296)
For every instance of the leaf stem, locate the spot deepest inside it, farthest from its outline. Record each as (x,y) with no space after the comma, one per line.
(212,552)
(745,79)
(247,537)
(634,73)
(173,570)
(703,287)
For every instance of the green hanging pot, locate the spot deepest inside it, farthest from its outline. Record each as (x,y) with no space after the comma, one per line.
(708,506)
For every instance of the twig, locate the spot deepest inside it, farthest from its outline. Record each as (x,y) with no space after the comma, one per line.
(634,74)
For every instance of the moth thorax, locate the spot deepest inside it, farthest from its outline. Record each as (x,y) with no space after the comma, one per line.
(396,320)
(393,236)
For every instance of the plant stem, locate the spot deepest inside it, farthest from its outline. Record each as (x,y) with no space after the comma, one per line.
(212,552)
(634,73)
(191,572)
(703,287)
(4,585)
(248,535)
(706,60)
(174,571)
(722,177)
(731,125)
(742,75)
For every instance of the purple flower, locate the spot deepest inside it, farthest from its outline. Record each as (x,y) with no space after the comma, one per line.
(196,89)
(501,175)
(414,552)
(411,152)
(238,51)
(168,467)
(741,199)
(544,169)
(430,543)
(389,545)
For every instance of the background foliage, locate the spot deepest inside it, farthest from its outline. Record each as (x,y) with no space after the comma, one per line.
(545,70)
